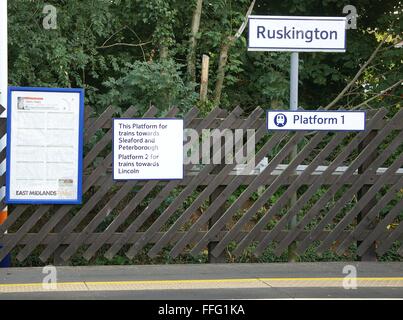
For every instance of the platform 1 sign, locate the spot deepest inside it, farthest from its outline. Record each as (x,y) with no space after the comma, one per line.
(147,149)
(297,34)
(316,120)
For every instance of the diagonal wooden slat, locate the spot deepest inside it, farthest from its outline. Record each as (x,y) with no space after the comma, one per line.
(333,189)
(363,157)
(88,112)
(190,115)
(162,195)
(282,223)
(319,181)
(90,204)
(146,189)
(103,238)
(3,180)
(219,201)
(259,181)
(269,192)
(87,183)
(349,217)
(3,127)
(400,251)
(41,226)
(390,195)
(12,218)
(104,212)
(98,124)
(206,192)
(286,196)
(105,140)
(379,230)
(388,242)
(171,208)
(28,225)
(62,212)
(130,207)
(3,154)
(222,196)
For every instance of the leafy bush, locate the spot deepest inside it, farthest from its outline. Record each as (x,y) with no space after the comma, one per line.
(143,84)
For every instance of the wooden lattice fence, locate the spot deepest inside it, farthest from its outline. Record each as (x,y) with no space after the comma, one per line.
(348,186)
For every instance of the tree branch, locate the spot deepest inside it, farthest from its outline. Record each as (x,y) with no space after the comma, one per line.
(114,34)
(141,44)
(124,44)
(191,58)
(362,69)
(244,24)
(382,93)
(224,56)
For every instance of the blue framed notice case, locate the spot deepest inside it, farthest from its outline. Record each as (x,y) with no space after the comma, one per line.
(44,145)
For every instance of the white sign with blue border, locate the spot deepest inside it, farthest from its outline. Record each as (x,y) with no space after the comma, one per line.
(44,145)
(316,120)
(297,34)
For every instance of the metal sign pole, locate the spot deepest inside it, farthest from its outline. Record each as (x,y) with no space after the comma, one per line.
(294,81)
(292,257)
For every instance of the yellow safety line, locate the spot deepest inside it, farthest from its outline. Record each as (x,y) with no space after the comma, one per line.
(200,281)
(329,279)
(38,284)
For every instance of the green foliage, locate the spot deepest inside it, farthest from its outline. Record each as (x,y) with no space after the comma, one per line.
(103,45)
(143,84)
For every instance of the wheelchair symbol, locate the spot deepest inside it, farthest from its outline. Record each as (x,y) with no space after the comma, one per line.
(280,120)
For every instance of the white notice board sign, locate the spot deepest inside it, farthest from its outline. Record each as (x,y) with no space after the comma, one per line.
(297,34)
(45,141)
(147,149)
(316,120)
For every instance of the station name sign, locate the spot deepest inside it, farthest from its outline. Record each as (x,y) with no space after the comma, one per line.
(316,120)
(297,34)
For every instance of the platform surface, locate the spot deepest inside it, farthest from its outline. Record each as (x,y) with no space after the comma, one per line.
(208,281)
